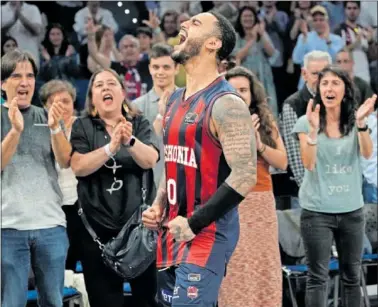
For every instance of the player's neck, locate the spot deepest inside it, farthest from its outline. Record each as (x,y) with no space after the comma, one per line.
(199,74)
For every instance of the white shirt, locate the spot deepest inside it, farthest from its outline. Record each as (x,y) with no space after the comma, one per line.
(81,17)
(369,166)
(368,14)
(25,39)
(67,183)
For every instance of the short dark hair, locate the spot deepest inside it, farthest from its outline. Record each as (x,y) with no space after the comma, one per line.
(56,86)
(10,60)
(356,2)
(6,38)
(160,50)
(144,30)
(227,36)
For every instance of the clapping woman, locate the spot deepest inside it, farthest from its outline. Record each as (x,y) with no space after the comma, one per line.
(112,147)
(332,137)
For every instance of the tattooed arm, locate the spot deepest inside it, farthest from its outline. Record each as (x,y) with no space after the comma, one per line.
(161,195)
(232,126)
(152,217)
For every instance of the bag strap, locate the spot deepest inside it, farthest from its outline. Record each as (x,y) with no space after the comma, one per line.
(89,227)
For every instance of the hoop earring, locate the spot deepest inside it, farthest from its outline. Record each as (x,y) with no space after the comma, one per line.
(94,112)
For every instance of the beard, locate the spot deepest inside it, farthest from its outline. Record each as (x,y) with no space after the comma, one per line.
(192,49)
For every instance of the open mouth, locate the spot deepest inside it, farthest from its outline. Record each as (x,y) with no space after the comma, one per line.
(182,38)
(107,98)
(330,97)
(22,93)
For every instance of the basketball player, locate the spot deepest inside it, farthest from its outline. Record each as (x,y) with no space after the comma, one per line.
(210,161)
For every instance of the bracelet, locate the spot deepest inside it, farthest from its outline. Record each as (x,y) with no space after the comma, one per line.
(108,152)
(159,116)
(363,129)
(261,151)
(311,142)
(55,131)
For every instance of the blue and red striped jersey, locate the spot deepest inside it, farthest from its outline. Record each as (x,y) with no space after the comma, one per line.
(195,167)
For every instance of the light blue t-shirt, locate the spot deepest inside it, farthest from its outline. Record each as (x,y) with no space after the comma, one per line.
(335,185)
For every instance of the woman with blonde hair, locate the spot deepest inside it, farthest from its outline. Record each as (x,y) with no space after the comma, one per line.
(253,276)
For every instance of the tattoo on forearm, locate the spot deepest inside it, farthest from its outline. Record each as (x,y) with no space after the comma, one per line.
(236,135)
(161,196)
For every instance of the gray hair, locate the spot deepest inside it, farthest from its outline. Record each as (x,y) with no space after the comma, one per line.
(130,37)
(316,55)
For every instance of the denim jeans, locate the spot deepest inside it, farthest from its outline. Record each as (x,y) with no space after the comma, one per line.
(45,250)
(318,232)
(369,192)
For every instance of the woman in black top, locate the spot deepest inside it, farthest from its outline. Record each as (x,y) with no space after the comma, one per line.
(112,147)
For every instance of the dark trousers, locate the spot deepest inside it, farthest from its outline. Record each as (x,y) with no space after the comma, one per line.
(318,232)
(103,286)
(73,227)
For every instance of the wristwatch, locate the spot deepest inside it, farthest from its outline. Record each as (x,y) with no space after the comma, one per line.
(363,129)
(131,142)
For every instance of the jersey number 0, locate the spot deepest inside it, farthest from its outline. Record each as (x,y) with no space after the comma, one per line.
(171,191)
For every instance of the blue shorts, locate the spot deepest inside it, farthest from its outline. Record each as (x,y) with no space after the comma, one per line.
(188,284)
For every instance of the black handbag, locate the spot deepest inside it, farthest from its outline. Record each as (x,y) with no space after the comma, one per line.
(134,248)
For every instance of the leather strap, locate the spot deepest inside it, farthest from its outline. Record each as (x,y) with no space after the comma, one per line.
(89,227)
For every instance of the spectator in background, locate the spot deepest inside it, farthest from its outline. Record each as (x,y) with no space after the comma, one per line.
(60,60)
(106,45)
(333,136)
(369,166)
(254,277)
(345,60)
(8,43)
(369,14)
(356,38)
(23,22)
(135,73)
(163,71)
(300,19)
(276,26)
(144,35)
(336,13)
(295,106)
(255,51)
(99,15)
(169,24)
(227,9)
(172,6)
(33,232)
(227,64)
(109,167)
(319,39)
(63,91)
